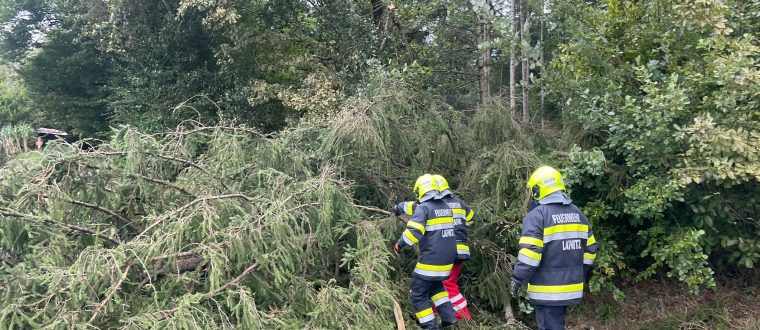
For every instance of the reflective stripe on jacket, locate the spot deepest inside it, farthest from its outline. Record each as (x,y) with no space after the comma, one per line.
(556,248)
(432,227)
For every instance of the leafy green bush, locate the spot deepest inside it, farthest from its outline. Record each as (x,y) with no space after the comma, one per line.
(674,122)
(682,253)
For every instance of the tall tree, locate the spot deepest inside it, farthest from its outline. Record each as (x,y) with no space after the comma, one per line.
(524,44)
(67,82)
(542,64)
(64,71)
(513,23)
(483,40)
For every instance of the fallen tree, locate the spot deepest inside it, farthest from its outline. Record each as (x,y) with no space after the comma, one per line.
(223,227)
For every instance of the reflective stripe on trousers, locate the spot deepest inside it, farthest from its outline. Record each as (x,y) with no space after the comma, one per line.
(425,316)
(421,292)
(440,298)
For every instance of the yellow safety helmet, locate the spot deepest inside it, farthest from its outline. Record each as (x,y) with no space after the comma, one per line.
(441,182)
(544,181)
(442,185)
(424,186)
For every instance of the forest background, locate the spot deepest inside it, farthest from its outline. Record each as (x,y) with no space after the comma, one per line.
(247,152)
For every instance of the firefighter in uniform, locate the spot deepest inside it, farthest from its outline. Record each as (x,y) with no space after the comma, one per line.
(463,218)
(557,250)
(432,227)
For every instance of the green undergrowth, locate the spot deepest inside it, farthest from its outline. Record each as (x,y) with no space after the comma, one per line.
(656,304)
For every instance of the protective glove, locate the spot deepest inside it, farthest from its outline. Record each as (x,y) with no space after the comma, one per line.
(589,273)
(396,210)
(514,288)
(395,248)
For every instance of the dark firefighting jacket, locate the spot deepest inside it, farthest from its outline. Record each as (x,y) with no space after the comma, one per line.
(432,227)
(557,246)
(463,218)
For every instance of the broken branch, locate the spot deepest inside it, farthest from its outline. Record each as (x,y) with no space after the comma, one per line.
(111,292)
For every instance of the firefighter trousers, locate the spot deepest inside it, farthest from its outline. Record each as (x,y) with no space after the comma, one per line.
(422,293)
(550,317)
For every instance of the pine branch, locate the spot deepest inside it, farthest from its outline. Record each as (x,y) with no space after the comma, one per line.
(150,179)
(11,213)
(233,282)
(163,314)
(188,260)
(111,292)
(179,266)
(220,289)
(196,201)
(186,265)
(401,222)
(374,209)
(177,255)
(173,159)
(165,183)
(194,165)
(223,128)
(122,218)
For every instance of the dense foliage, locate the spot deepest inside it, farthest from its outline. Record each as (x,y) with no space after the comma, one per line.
(14,101)
(678,128)
(246,150)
